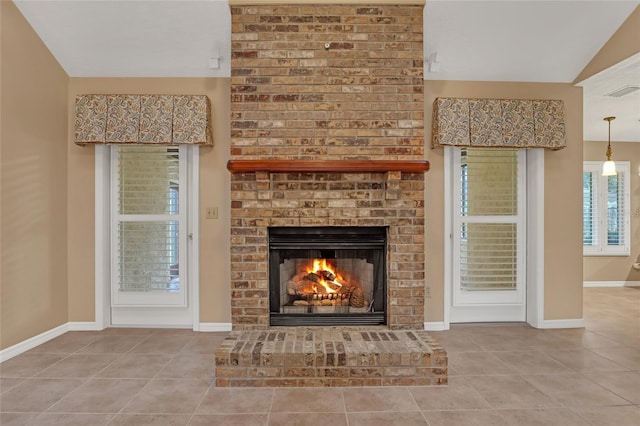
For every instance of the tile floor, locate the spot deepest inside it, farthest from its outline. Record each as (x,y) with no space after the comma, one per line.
(499,375)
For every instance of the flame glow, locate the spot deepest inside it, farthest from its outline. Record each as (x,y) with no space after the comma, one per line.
(322,265)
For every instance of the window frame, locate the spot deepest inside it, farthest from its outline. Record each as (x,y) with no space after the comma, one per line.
(105,315)
(151,298)
(506,297)
(600,213)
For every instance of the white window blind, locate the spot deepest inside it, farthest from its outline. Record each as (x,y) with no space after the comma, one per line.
(590,197)
(489,226)
(489,184)
(606,210)
(147,219)
(489,189)
(488,257)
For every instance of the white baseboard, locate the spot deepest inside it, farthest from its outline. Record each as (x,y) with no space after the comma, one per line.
(134,325)
(41,338)
(215,326)
(566,323)
(611,284)
(435,326)
(32,342)
(84,326)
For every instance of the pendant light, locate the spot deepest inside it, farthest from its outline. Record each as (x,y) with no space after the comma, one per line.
(609,167)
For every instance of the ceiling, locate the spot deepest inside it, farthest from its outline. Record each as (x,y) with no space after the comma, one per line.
(533,41)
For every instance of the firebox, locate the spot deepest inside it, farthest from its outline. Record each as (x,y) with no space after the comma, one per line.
(327,275)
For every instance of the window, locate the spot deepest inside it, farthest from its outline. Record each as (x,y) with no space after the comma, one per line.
(606,210)
(489,218)
(148,218)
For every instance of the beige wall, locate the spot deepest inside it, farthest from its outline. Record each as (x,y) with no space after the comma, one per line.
(624,43)
(33,286)
(563,202)
(215,302)
(617,268)
(47,268)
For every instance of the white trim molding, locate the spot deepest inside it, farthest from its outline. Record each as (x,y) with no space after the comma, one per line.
(32,342)
(611,284)
(215,326)
(448,237)
(535,237)
(102,237)
(193,221)
(564,323)
(159,326)
(436,326)
(84,326)
(44,337)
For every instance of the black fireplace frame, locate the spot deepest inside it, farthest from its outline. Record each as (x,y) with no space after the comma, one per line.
(326,238)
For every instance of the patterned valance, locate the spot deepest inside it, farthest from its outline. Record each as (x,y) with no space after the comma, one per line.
(143,119)
(504,123)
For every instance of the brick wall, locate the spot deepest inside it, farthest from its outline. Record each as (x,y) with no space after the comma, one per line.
(327,82)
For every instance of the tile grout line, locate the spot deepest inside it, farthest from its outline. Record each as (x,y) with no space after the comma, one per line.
(120,412)
(202,398)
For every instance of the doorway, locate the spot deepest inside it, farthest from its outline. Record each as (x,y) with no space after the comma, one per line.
(147,236)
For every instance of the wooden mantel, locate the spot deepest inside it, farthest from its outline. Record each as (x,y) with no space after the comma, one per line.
(328,166)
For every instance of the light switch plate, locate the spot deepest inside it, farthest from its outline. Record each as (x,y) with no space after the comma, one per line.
(211,213)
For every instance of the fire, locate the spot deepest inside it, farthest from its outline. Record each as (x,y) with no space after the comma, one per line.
(320,267)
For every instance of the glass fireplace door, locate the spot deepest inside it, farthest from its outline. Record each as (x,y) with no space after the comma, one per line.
(327,276)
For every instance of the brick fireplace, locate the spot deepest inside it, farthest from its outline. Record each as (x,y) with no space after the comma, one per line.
(328,83)
(332,82)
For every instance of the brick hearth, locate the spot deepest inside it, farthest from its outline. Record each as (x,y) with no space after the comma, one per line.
(304,356)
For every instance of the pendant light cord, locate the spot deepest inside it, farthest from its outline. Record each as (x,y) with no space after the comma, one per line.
(609,139)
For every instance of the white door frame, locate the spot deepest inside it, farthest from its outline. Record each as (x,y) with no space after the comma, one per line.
(534,231)
(103,237)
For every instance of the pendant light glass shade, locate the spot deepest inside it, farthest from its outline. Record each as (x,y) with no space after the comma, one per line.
(609,166)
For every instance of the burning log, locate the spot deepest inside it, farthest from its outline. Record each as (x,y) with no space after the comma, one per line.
(318,276)
(297,285)
(307,283)
(312,276)
(328,275)
(322,285)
